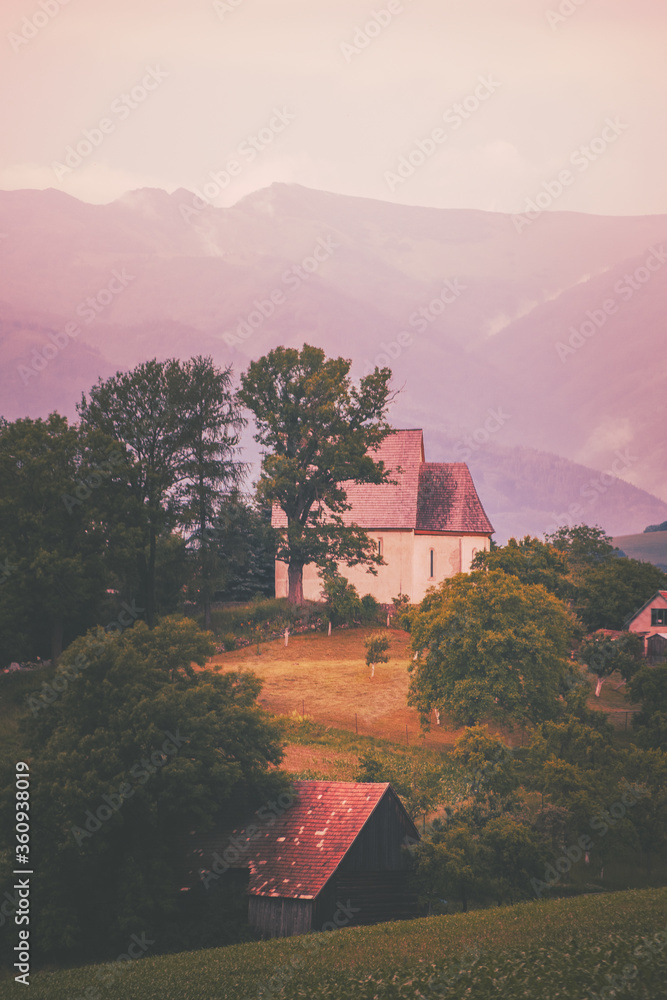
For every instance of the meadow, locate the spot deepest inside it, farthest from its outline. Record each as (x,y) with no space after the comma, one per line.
(592,946)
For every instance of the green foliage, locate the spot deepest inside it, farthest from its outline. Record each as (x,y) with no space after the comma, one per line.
(649,687)
(423,781)
(341,600)
(531,561)
(490,647)
(606,588)
(489,760)
(611,592)
(317,428)
(176,426)
(377,645)
(245,546)
(51,547)
(173,750)
(603,655)
(583,545)
(402,610)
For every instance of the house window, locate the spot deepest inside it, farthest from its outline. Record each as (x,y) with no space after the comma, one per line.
(380,548)
(431,563)
(658,616)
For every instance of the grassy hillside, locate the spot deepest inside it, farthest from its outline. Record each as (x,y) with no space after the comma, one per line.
(326,678)
(539,950)
(650,546)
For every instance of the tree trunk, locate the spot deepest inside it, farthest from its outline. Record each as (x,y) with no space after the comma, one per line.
(464,899)
(56,640)
(598,686)
(295,577)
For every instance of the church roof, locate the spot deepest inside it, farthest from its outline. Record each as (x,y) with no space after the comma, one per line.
(426,496)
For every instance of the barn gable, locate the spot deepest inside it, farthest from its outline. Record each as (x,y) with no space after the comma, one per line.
(339,843)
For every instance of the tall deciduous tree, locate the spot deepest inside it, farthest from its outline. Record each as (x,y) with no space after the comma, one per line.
(177,423)
(50,546)
(317,428)
(490,647)
(212,422)
(138,750)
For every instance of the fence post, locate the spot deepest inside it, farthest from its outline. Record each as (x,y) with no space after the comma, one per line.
(303,707)
(356,725)
(407,741)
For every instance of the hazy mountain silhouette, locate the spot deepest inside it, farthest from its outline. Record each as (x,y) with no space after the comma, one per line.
(480,367)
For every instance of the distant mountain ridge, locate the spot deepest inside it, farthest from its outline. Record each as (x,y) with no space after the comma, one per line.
(468,313)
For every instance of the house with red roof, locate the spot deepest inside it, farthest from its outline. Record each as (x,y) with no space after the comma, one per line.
(427,525)
(651,623)
(334,857)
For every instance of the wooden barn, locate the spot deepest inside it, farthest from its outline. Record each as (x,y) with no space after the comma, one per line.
(333,858)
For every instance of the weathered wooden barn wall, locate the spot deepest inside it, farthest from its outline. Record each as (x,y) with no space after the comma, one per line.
(273,916)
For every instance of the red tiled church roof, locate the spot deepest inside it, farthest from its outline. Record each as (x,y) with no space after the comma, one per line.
(297,854)
(448,501)
(427,496)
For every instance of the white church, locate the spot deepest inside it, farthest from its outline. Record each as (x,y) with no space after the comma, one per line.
(427,526)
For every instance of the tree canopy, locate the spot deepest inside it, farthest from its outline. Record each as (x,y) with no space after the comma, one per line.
(137,751)
(491,647)
(317,427)
(177,426)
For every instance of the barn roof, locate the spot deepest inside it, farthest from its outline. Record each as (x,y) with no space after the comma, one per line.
(297,854)
(426,496)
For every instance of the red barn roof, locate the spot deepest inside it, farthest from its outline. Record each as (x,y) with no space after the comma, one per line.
(427,496)
(296,855)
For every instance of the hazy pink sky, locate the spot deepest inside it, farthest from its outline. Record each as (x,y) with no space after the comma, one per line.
(348,114)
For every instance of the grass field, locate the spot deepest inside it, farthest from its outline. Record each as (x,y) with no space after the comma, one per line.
(326,679)
(565,949)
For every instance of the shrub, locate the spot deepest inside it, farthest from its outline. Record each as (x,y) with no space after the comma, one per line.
(342,604)
(371,612)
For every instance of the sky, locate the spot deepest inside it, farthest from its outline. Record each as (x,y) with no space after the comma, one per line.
(483,104)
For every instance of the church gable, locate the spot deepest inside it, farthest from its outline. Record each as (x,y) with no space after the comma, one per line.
(447,500)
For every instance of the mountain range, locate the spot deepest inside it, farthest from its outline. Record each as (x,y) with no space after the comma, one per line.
(529,347)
